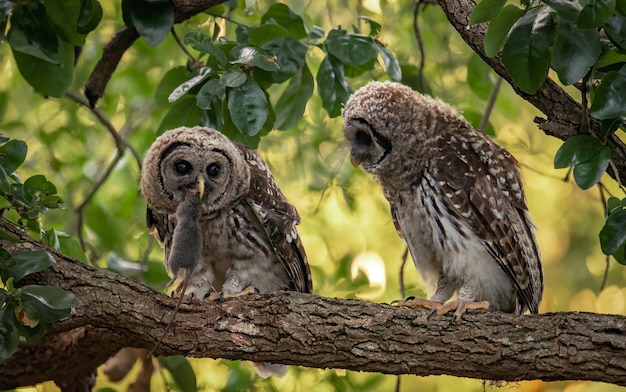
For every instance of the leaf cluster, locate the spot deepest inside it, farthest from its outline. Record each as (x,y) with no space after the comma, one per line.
(228,89)
(43,35)
(27,311)
(584,42)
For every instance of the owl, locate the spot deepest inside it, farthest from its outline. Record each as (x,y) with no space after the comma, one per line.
(456,198)
(224,224)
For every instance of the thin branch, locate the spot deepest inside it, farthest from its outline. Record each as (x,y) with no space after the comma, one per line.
(196,64)
(80,207)
(405,256)
(420,46)
(484,122)
(120,143)
(605,208)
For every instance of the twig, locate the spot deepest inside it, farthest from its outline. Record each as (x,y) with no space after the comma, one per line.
(606,214)
(90,195)
(405,256)
(484,123)
(196,64)
(420,46)
(120,143)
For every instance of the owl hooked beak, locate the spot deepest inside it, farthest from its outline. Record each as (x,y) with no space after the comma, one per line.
(355,161)
(200,183)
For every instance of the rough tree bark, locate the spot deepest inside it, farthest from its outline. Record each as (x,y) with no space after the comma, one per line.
(304,329)
(564,115)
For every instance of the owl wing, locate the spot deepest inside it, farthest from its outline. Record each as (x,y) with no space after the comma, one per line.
(480,184)
(278,219)
(161,228)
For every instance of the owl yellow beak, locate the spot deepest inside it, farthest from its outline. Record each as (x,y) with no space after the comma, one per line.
(200,183)
(355,161)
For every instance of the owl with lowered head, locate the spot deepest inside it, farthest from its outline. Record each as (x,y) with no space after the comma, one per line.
(224,224)
(456,198)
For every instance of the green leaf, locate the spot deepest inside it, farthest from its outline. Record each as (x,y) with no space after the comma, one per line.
(615,29)
(12,155)
(566,9)
(588,173)
(248,107)
(292,103)
(214,88)
(32,34)
(64,243)
(332,86)
(51,297)
(575,52)
(260,35)
(38,184)
(610,125)
(233,78)
(479,77)
(575,150)
(9,333)
(610,100)
(189,84)
(90,16)
(153,20)
(374,26)
(255,56)
(392,66)
(181,371)
(182,113)
(170,81)
(351,49)
(595,13)
(25,263)
(46,303)
(290,57)
(612,60)
(64,16)
(47,78)
(204,44)
(526,52)
(499,28)
(485,11)
(613,233)
(613,204)
(620,255)
(283,16)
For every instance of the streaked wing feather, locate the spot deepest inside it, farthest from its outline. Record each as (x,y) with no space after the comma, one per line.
(473,178)
(279,219)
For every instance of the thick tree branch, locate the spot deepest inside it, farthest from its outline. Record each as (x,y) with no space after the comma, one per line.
(308,330)
(564,114)
(124,38)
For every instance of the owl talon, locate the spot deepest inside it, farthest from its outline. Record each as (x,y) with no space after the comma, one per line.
(415,302)
(220,296)
(460,307)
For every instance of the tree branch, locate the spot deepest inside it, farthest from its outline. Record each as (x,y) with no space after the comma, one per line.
(308,330)
(564,114)
(124,38)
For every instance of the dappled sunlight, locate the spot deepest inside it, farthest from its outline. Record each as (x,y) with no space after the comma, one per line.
(372,266)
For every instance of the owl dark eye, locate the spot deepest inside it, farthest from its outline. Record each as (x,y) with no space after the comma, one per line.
(363,138)
(182,167)
(213,170)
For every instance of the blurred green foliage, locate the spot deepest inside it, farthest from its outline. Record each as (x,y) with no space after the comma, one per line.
(298,61)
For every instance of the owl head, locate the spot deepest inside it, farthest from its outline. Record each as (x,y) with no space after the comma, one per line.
(198,159)
(385,121)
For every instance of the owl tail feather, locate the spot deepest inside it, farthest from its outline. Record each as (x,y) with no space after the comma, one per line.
(266,369)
